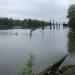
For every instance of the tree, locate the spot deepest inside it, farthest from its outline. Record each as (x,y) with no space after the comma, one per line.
(71,16)
(71,11)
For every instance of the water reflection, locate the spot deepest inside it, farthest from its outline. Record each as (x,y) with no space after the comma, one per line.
(16,33)
(31,33)
(52,27)
(56,26)
(70,60)
(44,42)
(71,42)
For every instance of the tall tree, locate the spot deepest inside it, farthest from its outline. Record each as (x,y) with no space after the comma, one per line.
(71,16)
(71,11)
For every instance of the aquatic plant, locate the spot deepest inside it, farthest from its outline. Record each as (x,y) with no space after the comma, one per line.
(29,65)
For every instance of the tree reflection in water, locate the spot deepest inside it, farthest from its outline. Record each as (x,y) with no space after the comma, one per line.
(71,41)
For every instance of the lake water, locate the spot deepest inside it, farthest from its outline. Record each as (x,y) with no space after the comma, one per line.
(49,45)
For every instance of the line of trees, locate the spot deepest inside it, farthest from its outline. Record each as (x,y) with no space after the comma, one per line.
(6,23)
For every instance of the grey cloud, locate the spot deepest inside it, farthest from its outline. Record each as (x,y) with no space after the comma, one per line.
(35,9)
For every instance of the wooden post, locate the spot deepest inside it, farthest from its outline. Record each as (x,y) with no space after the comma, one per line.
(53,22)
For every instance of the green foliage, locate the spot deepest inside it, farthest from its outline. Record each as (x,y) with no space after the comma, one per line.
(71,23)
(71,42)
(71,11)
(29,65)
(6,23)
(71,16)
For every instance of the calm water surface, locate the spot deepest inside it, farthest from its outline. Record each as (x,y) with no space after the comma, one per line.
(49,45)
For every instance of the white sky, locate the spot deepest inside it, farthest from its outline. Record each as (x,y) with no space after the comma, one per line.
(35,9)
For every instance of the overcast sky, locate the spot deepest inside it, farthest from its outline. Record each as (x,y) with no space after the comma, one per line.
(35,9)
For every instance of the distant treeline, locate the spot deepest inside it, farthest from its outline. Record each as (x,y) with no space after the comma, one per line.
(6,23)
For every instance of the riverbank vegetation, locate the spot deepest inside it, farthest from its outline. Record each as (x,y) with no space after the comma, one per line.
(28,67)
(71,42)
(71,16)
(71,23)
(6,23)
